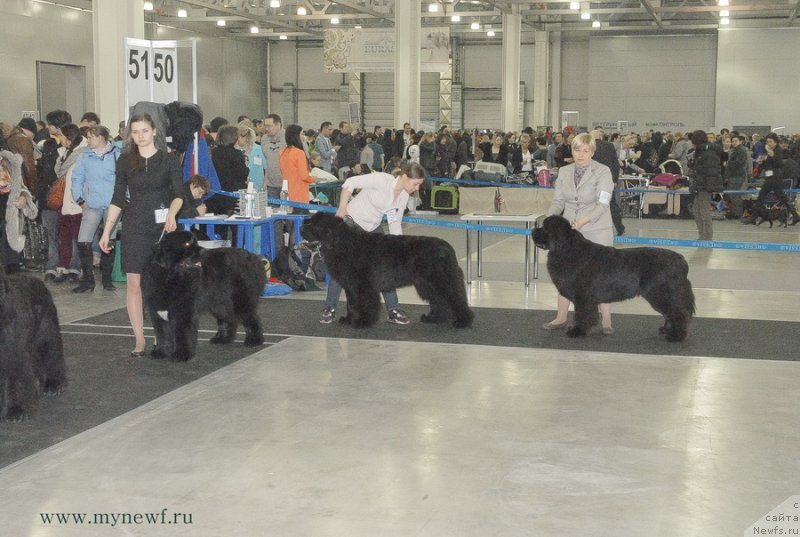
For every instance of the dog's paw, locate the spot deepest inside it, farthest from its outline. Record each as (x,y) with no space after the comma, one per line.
(182,355)
(345,320)
(254,341)
(575,331)
(221,338)
(52,387)
(157,353)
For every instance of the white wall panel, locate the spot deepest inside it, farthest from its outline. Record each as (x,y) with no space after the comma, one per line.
(379,99)
(757,84)
(659,82)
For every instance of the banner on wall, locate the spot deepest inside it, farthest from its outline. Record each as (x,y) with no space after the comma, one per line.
(360,50)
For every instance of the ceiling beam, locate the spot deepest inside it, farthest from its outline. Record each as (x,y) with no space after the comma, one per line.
(276,21)
(366,10)
(793,14)
(649,8)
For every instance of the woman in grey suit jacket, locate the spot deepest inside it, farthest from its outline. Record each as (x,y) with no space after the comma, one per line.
(582,196)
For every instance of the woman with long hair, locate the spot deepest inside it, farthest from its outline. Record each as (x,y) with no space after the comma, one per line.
(69,215)
(294,168)
(254,156)
(153,179)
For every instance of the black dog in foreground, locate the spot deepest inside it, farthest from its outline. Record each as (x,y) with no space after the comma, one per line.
(181,279)
(31,350)
(590,274)
(365,264)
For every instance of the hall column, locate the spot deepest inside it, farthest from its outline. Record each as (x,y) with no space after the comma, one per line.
(541,79)
(555,81)
(407,22)
(112,22)
(512,34)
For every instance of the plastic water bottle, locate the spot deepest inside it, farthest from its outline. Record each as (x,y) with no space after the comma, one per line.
(249,200)
(284,193)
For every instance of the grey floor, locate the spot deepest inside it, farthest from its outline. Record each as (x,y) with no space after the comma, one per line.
(338,437)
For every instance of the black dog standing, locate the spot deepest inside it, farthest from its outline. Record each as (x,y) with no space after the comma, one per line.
(31,350)
(181,279)
(590,274)
(366,264)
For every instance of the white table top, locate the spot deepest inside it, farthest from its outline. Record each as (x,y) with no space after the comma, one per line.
(502,217)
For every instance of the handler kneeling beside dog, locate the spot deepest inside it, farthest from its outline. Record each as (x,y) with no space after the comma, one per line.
(381,194)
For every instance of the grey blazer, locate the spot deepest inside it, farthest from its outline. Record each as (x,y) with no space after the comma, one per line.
(590,198)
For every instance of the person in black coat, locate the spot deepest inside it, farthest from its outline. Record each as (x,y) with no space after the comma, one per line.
(231,168)
(605,153)
(706,177)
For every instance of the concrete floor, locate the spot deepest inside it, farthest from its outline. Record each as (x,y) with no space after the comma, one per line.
(337,437)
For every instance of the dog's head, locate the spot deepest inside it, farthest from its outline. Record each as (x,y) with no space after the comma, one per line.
(320,227)
(177,249)
(554,233)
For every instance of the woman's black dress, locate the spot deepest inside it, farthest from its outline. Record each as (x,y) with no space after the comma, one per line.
(152,187)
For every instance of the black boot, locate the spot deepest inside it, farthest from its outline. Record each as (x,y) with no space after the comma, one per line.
(106,268)
(795,217)
(87,279)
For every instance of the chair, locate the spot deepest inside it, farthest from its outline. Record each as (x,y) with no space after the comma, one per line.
(491,167)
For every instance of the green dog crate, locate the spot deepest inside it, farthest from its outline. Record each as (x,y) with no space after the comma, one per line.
(444,198)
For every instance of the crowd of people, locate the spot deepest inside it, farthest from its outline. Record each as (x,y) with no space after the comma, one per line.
(76,181)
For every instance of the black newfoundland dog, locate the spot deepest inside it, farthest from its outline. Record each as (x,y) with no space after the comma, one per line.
(365,264)
(181,279)
(31,351)
(590,274)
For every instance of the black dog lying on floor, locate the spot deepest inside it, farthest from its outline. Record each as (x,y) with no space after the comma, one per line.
(31,351)
(590,274)
(181,279)
(365,264)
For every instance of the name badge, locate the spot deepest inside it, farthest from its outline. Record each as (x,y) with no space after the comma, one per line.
(392,216)
(257,161)
(768,173)
(161,215)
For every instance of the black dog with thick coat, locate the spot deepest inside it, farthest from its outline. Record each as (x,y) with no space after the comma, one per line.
(31,350)
(590,274)
(365,264)
(181,279)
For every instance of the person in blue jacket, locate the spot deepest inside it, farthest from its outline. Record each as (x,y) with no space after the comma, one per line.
(92,187)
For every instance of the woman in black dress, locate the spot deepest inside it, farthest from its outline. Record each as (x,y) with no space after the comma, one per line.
(151,181)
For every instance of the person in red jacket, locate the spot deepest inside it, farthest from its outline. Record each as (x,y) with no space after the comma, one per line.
(294,168)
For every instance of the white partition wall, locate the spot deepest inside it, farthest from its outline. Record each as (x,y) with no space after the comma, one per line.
(659,82)
(758,80)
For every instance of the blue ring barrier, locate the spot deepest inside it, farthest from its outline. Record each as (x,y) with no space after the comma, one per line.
(648,241)
(722,245)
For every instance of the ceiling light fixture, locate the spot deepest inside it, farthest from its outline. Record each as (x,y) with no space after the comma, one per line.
(283,37)
(475,26)
(723,2)
(490,33)
(254,29)
(221,22)
(585,16)
(724,13)
(335,20)
(182,13)
(274,3)
(148,6)
(357,26)
(433,8)
(726,21)
(595,23)
(302,11)
(455,18)
(574,6)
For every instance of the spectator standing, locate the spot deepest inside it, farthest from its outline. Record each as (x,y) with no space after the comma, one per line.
(294,168)
(70,213)
(706,178)
(254,156)
(47,176)
(736,174)
(271,143)
(231,169)
(325,148)
(606,154)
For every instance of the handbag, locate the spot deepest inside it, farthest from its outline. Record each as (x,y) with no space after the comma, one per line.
(35,251)
(55,198)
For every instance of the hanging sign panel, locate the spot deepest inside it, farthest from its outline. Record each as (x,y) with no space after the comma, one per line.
(151,71)
(371,50)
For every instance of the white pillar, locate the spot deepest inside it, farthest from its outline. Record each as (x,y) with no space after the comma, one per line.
(407,22)
(555,80)
(541,79)
(509,102)
(112,22)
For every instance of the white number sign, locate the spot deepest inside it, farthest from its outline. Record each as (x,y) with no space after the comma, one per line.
(151,72)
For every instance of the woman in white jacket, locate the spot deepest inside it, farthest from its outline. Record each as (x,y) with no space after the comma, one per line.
(19,205)
(69,216)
